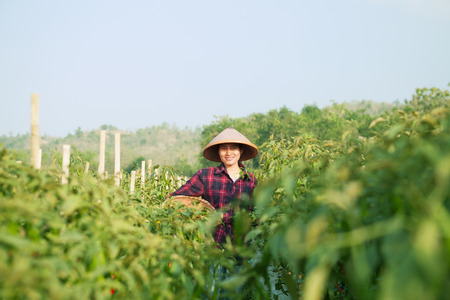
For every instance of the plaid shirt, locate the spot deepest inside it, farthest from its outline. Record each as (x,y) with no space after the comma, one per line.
(216,186)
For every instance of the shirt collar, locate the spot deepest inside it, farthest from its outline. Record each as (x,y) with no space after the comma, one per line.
(221,169)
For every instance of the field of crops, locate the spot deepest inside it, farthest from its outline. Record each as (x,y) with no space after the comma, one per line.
(359,217)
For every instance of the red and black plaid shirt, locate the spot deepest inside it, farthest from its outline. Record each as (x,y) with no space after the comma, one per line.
(216,186)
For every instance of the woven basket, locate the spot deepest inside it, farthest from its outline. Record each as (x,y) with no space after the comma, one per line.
(192,202)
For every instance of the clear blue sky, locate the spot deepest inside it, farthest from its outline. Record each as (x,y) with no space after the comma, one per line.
(134,64)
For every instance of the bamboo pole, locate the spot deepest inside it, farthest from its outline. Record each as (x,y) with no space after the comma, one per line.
(86,168)
(65,164)
(132,181)
(143,173)
(117,158)
(101,159)
(35,138)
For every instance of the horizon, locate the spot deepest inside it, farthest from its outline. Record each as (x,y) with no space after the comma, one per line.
(192,128)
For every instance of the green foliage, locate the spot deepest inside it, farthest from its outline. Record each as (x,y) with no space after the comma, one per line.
(360,218)
(108,127)
(348,206)
(182,164)
(330,124)
(90,239)
(135,164)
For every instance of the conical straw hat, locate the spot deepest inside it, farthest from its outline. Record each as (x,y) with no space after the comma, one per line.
(229,135)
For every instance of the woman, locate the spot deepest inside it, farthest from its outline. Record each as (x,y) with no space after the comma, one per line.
(223,186)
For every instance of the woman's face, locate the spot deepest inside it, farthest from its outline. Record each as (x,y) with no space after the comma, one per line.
(230,154)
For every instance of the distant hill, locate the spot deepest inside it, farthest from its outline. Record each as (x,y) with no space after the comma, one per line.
(163,144)
(181,148)
(369,107)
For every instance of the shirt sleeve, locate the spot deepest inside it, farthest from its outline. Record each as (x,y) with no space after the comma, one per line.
(193,187)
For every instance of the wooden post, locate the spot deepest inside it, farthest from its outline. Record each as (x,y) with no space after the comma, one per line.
(117,158)
(35,138)
(132,181)
(101,159)
(149,166)
(142,174)
(65,164)
(86,168)
(180,181)
(167,179)
(39,159)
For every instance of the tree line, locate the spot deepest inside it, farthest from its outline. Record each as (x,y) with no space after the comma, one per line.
(167,144)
